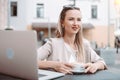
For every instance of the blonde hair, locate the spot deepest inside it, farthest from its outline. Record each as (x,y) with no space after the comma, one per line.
(78,39)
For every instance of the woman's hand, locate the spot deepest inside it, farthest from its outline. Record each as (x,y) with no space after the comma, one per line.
(57,66)
(90,67)
(63,67)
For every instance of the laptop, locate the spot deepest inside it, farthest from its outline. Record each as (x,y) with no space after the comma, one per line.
(18,56)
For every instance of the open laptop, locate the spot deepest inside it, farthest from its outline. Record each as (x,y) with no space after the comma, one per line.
(18,56)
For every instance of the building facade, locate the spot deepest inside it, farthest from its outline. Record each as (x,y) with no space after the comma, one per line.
(42,15)
(3,14)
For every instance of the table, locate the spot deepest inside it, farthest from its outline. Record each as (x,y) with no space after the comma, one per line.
(100,75)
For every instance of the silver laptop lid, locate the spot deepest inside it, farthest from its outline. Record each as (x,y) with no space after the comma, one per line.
(18,54)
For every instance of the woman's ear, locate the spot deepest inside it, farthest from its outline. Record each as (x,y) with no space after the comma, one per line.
(62,22)
(63,25)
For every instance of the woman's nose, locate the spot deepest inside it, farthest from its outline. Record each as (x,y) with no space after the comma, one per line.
(75,22)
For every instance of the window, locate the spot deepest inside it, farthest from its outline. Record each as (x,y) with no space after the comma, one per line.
(13,7)
(94,11)
(40,11)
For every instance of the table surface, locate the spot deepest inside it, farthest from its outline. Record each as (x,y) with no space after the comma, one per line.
(99,75)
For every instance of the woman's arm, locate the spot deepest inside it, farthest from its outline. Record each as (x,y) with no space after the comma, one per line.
(93,67)
(45,50)
(57,66)
(96,62)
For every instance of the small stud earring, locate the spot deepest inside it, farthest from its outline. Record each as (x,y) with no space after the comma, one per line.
(62,26)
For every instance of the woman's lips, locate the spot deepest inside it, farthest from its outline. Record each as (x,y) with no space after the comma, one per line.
(75,28)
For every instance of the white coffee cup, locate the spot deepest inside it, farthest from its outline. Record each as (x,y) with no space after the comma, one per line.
(78,68)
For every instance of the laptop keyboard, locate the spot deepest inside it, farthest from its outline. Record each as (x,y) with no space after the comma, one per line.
(41,75)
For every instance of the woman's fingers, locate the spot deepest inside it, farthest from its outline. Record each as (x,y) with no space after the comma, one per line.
(67,69)
(69,65)
(64,68)
(90,67)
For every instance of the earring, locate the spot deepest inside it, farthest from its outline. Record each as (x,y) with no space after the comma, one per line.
(63,26)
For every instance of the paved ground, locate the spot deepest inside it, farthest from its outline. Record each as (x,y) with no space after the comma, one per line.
(115,68)
(117,55)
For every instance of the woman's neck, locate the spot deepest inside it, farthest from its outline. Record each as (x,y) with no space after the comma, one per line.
(70,40)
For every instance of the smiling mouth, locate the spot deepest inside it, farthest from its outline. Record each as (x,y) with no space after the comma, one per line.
(75,28)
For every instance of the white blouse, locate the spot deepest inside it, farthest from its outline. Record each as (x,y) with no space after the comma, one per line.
(72,53)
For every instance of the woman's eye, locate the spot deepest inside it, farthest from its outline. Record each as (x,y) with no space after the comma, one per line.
(71,19)
(78,19)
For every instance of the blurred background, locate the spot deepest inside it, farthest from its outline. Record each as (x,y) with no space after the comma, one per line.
(100,21)
(100,18)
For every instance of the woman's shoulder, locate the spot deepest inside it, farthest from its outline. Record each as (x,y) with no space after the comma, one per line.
(85,41)
(55,39)
(55,42)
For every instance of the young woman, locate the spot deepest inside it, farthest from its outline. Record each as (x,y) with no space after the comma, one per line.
(69,46)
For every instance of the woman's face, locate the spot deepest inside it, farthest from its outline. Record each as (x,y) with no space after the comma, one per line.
(72,22)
